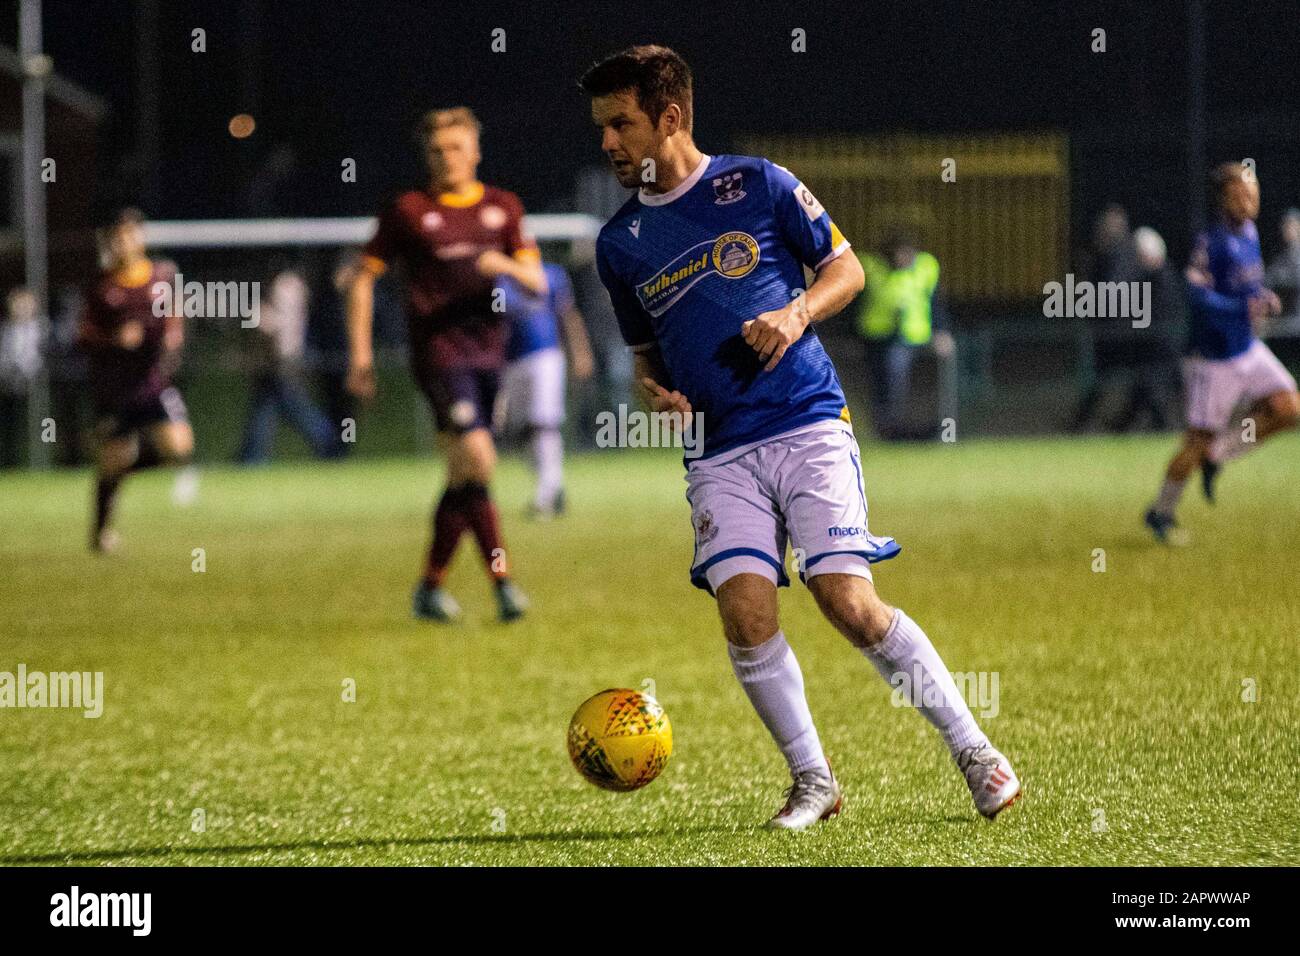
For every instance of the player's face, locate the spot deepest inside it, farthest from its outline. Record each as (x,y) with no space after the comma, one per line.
(1241,199)
(453,156)
(126,243)
(627,136)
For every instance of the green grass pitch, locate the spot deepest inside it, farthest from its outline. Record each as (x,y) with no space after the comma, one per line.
(1120,693)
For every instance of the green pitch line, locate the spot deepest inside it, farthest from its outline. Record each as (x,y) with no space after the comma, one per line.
(225,736)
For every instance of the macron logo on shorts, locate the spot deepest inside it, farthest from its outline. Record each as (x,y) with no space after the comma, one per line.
(846,532)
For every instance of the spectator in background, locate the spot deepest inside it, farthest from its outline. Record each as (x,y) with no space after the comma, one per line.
(1151,356)
(1283,275)
(1112,258)
(68,386)
(899,317)
(277,386)
(327,337)
(20,366)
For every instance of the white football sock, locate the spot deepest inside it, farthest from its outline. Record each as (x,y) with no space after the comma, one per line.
(772,680)
(1170,494)
(548,460)
(1229,444)
(906,650)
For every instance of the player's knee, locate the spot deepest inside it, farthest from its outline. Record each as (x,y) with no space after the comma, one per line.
(1287,409)
(1196,446)
(749,630)
(866,622)
(852,605)
(748,607)
(176,443)
(116,457)
(474,457)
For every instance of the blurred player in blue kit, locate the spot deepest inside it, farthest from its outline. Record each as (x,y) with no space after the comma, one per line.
(1227,366)
(531,400)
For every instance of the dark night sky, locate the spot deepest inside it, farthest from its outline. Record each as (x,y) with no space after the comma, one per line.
(347,78)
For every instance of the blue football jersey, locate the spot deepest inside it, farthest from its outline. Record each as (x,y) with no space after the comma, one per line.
(1220,323)
(686,269)
(534,319)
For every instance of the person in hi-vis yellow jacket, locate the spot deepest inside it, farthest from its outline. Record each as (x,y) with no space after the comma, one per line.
(899,317)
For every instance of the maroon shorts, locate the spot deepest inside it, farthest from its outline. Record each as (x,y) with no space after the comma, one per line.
(461,398)
(126,418)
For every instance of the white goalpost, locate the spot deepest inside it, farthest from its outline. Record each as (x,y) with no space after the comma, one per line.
(329,231)
(244,251)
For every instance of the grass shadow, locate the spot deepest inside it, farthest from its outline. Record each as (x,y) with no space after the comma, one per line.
(159,852)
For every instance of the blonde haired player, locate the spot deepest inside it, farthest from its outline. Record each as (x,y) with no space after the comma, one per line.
(454,241)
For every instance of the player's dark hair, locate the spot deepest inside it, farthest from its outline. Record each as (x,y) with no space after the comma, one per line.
(123,216)
(655,74)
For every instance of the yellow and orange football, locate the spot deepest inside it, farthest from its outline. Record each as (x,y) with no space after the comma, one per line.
(620,739)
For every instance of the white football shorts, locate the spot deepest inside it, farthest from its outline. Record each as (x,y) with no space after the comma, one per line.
(532,393)
(804,487)
(1215,387)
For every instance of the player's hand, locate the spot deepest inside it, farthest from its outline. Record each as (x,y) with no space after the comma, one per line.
(584,364)
(361,382)
(130,335)
(1263,304)
(493,263)
(661,400)
(1195,275)
(773,332)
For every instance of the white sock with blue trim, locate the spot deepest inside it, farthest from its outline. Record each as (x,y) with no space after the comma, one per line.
(774,684)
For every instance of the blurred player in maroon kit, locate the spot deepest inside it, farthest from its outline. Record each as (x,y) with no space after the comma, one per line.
(451,242)
(132,351)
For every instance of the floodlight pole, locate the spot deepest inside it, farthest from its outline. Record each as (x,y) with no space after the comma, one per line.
(35,66)
(1195,116)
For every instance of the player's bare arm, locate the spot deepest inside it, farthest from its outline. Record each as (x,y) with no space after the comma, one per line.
(527,272)
(581,359)
(652,376)
(771,333)
(360,321)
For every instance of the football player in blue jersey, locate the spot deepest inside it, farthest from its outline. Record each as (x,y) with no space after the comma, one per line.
(531,399)
(1227,366)
(705,266)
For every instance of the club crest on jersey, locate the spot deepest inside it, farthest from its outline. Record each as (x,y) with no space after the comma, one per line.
(493,217)
(735,254)
(729,189)
(430,221)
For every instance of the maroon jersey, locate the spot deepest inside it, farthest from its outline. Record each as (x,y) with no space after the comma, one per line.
(119,376)
(435,241)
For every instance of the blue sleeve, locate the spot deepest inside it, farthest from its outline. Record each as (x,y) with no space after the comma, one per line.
(1216,306)
(802,221)
(561,291)
(633,321)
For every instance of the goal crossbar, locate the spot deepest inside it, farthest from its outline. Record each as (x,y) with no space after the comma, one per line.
(335,231)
